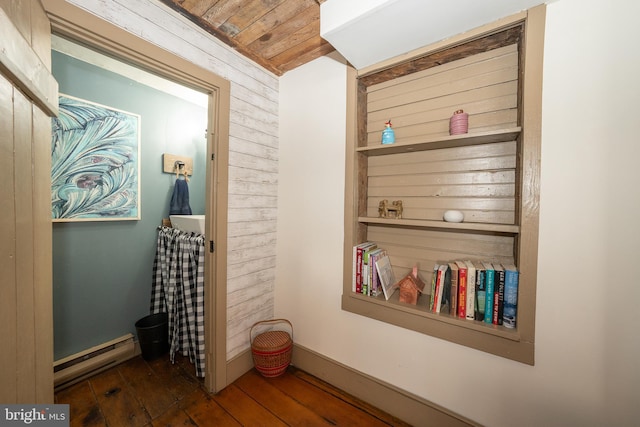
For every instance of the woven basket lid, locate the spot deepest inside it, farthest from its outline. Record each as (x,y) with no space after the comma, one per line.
(271,340)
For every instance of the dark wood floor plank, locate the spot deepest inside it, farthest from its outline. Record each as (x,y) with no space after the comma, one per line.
(134,368)
(174,417)
(152,394)
(179,381)
(205,411)
(244,409)
(83,405)
(119,406)
(333,409)
(288,410)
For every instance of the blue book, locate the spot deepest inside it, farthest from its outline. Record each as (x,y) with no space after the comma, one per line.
(489,287)
(509,312)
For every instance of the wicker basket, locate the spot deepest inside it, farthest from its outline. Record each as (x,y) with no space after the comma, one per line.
(271,350)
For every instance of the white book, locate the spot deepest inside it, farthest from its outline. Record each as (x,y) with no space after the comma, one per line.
(471,290)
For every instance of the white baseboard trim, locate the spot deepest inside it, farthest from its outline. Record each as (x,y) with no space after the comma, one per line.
(389,398)
(85,364)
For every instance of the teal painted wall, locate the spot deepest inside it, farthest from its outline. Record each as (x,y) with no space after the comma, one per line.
(102,271)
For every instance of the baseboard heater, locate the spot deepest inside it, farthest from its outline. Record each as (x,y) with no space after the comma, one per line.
(94,360)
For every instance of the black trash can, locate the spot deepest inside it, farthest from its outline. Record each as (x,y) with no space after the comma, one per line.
(153,335)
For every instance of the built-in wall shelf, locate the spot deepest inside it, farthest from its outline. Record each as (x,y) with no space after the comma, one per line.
(468,226)
(491,174)
(421,311)
(439,142)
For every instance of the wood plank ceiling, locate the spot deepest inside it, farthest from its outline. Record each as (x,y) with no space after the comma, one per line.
(280,35)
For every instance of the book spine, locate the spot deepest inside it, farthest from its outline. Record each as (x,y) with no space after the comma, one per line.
(365,277)
(442,273)
(488,307)
(358,270)
(462,293)
(480,294)
(498,297)
(471,291)
(510,298)
(437,296)
(354,267)
(446,292)
(434,280)
(373,289)
(453,303)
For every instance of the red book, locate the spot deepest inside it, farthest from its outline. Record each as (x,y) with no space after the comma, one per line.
(358,250)
(440,284)
(462,289)
(453,303)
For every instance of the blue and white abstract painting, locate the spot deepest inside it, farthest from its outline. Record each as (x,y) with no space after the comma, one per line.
(94,162)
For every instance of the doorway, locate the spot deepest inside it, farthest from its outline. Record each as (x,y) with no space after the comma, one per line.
(72,23)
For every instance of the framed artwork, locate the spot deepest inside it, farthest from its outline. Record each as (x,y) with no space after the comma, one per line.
(95,162)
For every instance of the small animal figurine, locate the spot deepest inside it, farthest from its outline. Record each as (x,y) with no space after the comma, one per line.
(393,210)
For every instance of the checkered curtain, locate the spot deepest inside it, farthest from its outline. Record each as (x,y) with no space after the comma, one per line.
(178,289)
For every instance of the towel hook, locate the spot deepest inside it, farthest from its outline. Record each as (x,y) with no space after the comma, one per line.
(180,169)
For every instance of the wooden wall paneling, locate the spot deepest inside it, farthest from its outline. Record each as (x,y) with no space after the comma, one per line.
(41,33)
(25,262)
(433,77)
(446,82)
(425,247)
(422,107)
(22,64)
(485,39)
(8,284)
(20,14)
(26,365)
(501,96)
(43,277)
(473,180)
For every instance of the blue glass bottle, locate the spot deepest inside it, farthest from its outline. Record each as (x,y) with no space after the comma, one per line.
(388,136)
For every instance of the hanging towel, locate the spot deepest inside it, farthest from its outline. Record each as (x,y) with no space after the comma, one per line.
(180,199)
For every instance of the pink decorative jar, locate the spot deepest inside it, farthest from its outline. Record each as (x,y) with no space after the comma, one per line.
(459,123)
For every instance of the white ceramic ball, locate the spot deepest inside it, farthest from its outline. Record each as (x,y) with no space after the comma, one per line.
(453,216)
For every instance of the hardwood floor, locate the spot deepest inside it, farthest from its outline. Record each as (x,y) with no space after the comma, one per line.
(158,393)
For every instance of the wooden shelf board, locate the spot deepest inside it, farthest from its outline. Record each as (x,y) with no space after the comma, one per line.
(421,310)
(470,226)
(447,141)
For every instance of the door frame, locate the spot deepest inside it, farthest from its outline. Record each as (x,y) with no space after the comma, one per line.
(73,23)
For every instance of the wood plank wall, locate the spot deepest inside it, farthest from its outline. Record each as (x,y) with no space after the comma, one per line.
(253,154)
(478,180)
(26,317)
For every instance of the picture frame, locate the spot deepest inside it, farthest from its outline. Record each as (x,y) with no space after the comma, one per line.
(386,275)
(95,162)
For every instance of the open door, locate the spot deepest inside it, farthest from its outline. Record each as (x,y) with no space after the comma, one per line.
(28,98)
(74,23)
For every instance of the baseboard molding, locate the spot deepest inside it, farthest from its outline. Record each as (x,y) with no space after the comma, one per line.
(239,365)
(393,400)
(80,366)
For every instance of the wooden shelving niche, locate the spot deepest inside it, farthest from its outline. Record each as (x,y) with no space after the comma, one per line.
(490,173)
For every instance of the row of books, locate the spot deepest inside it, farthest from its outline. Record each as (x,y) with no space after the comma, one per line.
(366,278)
(472,290)
(476,290)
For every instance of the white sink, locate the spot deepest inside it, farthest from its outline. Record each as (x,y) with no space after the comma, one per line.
(189,223)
